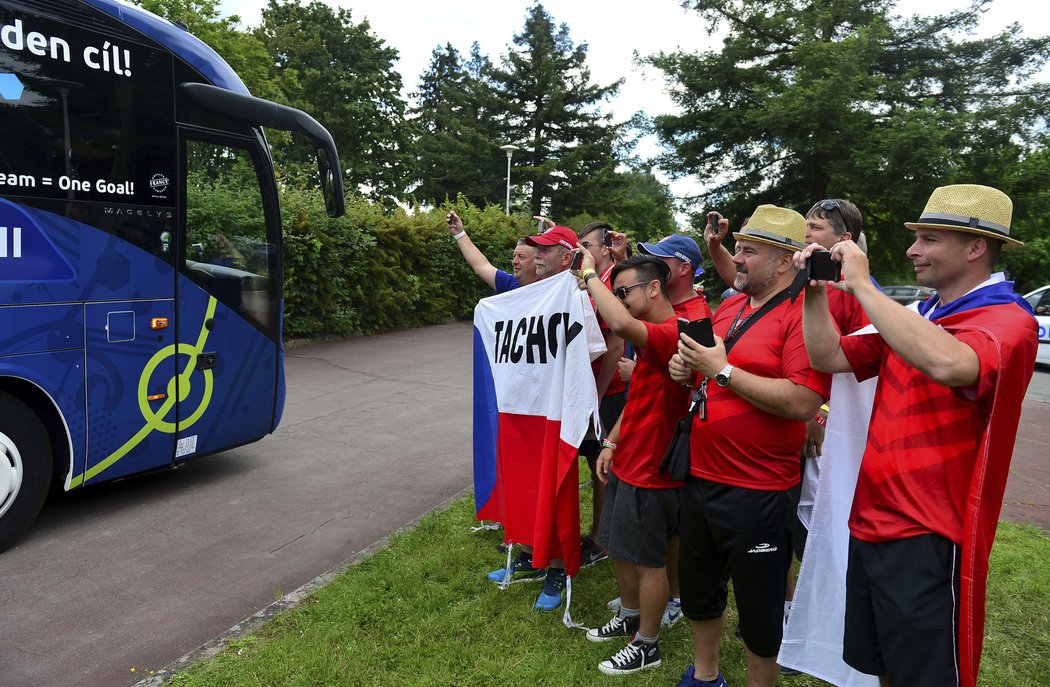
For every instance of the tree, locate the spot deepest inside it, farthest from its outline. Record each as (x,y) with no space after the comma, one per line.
(458,135)
(244,52)
(569,147)
(344,76)
(838,98)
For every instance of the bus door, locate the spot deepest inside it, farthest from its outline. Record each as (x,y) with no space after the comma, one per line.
(228,306)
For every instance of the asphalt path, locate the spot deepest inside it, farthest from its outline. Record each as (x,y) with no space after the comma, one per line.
(121,579)
(124,578)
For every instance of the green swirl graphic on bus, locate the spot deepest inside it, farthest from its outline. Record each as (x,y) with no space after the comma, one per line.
(178,389)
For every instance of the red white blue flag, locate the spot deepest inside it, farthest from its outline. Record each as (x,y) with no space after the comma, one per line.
(534,395)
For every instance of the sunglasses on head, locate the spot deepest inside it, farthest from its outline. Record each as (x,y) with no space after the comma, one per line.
(828,205)
(621,291)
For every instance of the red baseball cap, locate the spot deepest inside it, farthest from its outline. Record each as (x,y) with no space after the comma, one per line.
(555,236)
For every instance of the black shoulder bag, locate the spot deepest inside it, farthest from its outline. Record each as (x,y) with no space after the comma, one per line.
(675,463)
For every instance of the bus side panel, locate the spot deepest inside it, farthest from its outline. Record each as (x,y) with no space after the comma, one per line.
(40,328)
(60,375)
(63,260)
(131,387)
(230,399)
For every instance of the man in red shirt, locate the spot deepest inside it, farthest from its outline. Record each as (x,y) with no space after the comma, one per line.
(596,239)
(554,250)
(641,507)
(744,447)
(951,381)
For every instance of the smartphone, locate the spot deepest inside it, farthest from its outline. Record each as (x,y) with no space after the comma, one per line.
(821,266)
(541,226)
(607,238)
(577,261)
(712,222)
(698,330)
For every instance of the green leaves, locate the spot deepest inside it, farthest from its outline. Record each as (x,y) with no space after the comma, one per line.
(840,98)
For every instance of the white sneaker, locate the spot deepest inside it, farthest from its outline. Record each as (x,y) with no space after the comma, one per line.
(672,613)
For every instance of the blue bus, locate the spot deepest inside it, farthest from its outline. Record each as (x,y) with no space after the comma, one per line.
(140,289)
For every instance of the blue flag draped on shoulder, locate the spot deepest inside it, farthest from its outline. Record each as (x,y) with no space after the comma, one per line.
(534,393)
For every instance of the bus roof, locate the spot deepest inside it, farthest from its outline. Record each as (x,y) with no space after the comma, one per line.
(191,49)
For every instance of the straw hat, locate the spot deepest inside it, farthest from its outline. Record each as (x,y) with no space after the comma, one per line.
(776,226)
(970,208)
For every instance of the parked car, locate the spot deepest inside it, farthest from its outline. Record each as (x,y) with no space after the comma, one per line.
(1040,300)
(906,295)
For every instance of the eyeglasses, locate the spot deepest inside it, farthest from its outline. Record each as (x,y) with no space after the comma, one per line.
(828,205)
(621,291)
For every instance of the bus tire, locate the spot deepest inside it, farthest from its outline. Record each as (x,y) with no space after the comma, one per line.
(25,468)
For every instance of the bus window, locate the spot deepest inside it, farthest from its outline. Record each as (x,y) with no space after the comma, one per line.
(229,251)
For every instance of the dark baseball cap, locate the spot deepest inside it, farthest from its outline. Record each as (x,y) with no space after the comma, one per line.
(675,246)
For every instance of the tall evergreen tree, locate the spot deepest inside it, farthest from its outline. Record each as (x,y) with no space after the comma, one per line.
(344,76)
(842,98)
(458,135)
(569,148)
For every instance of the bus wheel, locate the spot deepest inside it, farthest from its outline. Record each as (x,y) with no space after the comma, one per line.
(25,468)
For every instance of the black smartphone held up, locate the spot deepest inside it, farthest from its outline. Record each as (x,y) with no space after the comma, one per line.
(821,266)
(712,222)
(577,261)
(607,238)
(698,330)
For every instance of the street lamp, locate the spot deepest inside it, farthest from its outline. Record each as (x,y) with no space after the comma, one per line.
(509,149)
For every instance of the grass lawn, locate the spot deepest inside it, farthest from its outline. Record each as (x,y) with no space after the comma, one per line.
(419,612)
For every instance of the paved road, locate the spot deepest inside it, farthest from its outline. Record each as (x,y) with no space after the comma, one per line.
(139,573)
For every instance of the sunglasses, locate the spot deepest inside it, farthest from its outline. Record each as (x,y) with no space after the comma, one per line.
(828,205)
(621,291)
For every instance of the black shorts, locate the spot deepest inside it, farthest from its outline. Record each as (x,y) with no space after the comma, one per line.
(739,534)
(902,613)
(609,410)
(797,532)
(637,522)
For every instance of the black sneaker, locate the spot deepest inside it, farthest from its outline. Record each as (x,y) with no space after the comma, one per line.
(632,658)
(615,628)
(590,552)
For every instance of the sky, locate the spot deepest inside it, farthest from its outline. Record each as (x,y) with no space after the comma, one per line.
(614,36)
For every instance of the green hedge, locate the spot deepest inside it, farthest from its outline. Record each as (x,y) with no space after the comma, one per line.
(368,271)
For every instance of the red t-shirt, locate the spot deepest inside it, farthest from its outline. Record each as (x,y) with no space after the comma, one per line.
(846,311)
(924,438)
(654,406)
(616,385)
(693,309)
(739,444)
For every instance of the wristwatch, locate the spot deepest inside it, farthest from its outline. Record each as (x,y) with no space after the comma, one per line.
(722,378)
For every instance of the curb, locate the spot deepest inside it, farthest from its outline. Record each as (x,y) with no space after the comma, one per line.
(287,602)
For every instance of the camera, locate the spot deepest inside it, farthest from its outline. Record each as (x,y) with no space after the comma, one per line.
(821,266)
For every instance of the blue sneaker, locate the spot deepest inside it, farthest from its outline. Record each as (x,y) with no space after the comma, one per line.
(689,681)
(553,594)
(521,570)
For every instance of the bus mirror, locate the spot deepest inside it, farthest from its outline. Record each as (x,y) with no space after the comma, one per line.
(331,185)
(269,114)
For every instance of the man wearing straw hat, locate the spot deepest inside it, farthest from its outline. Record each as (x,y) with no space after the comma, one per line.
(754,404)
(952,377)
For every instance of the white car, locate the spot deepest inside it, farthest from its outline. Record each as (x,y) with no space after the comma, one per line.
(1040,300)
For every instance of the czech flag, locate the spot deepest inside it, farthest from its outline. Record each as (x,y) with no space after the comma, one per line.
(534,394)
